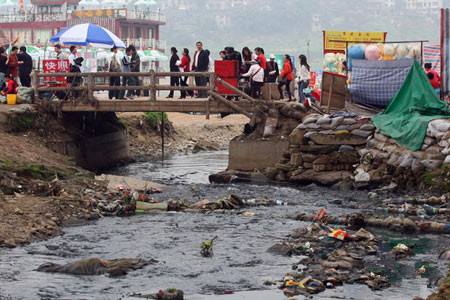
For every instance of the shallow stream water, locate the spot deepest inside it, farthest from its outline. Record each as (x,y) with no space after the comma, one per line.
(240,262)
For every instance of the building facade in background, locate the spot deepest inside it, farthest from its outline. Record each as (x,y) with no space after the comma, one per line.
(48,17)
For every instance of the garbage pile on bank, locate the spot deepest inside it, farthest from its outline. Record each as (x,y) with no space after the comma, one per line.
(323,149)
(129,196)
(384,159)
(341,249)
(332,257)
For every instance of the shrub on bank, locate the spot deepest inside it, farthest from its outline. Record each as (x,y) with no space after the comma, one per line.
(154,119)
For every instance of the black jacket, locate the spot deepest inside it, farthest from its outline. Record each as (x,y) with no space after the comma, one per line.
(235,56)
(173,63)
(203,62)
(3,65)
(135,63)
(272,66)
(27,66)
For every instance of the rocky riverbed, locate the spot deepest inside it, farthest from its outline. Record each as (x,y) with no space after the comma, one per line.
(241,260)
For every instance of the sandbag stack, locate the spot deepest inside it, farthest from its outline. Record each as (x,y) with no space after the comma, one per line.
(25,95)
(384,157)
(323,149)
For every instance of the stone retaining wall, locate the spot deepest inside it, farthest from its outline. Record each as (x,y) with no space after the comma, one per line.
(323,150)
(342,151)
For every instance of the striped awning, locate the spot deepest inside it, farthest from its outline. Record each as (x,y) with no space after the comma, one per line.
(432,55)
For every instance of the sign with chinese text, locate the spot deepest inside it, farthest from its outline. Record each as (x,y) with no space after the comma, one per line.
(331,39)
(312,82)
(99,13)
(56,66)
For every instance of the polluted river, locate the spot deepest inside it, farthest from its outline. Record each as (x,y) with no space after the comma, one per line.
(240,264)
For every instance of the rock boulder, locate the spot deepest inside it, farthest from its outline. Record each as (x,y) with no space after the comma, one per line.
(324,178)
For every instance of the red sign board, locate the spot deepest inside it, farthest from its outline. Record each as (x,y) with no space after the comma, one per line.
(56,66)
(228,71)
(226,68)
(312,82)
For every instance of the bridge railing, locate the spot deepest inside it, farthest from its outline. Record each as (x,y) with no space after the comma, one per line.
(89,86)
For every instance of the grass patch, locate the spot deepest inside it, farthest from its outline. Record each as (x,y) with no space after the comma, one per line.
(124,124)
(23,122)
(438,180)
(39,172)
(32,171)
(154,119)
(4,164)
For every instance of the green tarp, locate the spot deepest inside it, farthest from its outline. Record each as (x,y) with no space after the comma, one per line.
(407,116)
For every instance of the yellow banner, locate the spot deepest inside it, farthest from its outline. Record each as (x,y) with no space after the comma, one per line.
(351,37)
(99,13)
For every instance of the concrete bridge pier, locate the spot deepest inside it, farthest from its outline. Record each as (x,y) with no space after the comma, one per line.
(97,141)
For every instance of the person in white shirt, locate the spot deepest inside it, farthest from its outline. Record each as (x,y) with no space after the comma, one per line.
(256,75)
(114,67)
(73,54)
(304,77)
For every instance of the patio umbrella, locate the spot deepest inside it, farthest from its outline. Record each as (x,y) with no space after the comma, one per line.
(8,2)
(154,55)
(145,2)
(34,52)
(159,55)
(88,34)
(88,3)
(145,55)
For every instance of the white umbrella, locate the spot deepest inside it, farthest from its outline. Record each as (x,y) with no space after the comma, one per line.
(145,2)
(110,4)
(88,3)
(88,34)
(158,55)
(8,3)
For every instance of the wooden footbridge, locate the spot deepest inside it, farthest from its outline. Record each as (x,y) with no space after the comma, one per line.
(89,101)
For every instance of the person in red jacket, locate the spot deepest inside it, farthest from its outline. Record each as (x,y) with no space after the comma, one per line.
(13,63)
(261,57)
(184,66)
(11,85)
(286,77)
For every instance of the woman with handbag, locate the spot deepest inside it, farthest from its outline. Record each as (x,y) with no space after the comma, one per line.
(286,77)
(256,75)
(304,77)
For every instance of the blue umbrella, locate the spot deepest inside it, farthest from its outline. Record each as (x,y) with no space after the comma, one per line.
(87,34)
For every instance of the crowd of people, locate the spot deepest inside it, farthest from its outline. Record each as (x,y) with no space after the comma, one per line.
(15,69)
(251,65)
(131,62)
